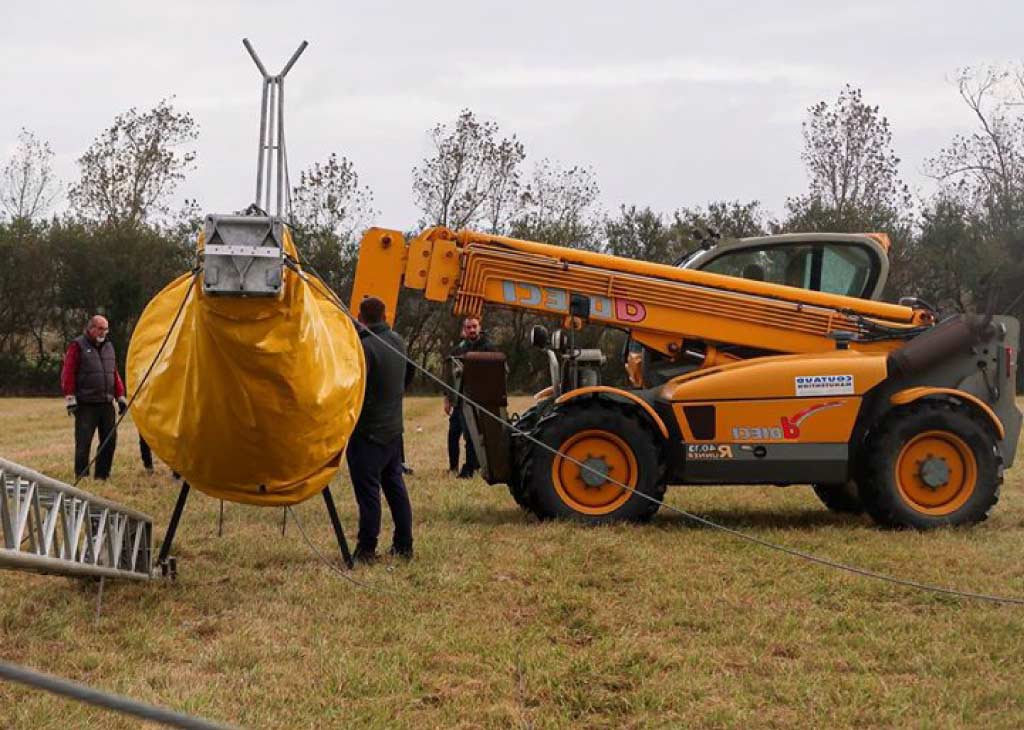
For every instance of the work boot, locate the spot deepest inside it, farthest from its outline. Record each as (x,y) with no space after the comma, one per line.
(364,555)
(466,473)
(404,553)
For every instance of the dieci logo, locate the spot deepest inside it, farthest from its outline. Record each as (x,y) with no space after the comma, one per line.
(557,300)
(788,428)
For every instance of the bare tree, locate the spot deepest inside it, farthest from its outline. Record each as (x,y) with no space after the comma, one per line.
(853,173)
(28,185)
(329,197)
(472,178)
(330,211)
(985,169)
(133,167)
(559,205)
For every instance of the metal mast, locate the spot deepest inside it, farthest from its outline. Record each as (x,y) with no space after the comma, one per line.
(272,160)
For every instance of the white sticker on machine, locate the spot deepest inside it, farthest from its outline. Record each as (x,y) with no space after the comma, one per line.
(814,385)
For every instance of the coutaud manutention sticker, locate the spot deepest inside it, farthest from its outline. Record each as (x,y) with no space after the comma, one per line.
(815,385)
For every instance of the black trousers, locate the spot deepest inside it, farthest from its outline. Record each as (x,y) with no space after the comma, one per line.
(90,418)
(457,430)
(374,468)
(146,453)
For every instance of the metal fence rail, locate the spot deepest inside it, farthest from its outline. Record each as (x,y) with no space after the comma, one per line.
(48,526)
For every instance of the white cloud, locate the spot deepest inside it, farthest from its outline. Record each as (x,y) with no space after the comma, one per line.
(668,70)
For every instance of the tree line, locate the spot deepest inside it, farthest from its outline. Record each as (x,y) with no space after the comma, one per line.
(120,239)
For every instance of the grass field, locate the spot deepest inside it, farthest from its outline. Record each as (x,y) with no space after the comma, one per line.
(504,622)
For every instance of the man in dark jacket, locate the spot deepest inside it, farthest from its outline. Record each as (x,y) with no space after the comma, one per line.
(474,339)
(375,450)
(91,386)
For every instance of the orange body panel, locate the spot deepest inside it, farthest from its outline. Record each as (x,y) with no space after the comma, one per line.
(543,394)
(784,399)
(772,377)
(912,394)
(598,389)
(781,420)
(379,269)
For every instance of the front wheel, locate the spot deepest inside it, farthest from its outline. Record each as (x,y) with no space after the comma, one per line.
(931,465)
(599,448)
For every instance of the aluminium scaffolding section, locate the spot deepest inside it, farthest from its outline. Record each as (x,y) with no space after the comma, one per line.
(48,526)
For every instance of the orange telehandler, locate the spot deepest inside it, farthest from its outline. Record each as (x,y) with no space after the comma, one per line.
(763,361)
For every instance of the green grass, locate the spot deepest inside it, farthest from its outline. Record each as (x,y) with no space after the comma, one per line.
(504,622)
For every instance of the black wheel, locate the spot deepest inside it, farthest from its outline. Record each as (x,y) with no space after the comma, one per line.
(842,498)
(613,444)
(520,453)
(931,464)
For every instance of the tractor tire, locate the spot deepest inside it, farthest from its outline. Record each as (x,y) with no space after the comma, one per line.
(616,443)
(840,498)
(931,464)
(520,452)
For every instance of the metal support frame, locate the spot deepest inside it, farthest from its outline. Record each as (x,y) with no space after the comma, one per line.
(346,555)
(271,144)
(167,563)
(48,526)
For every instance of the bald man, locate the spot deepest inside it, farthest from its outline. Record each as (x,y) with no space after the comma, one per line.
(92,386)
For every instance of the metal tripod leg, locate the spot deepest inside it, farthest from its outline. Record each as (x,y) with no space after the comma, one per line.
(336,524)
(169,568)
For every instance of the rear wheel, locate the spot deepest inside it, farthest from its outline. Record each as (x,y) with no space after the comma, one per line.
(932,464)
(842,498)
(600,447)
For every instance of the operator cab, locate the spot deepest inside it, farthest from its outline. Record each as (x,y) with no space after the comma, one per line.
(850,264)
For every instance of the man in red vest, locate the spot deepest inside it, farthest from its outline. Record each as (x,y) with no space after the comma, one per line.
(92,386)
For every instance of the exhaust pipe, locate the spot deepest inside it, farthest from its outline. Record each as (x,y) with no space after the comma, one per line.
(954,336)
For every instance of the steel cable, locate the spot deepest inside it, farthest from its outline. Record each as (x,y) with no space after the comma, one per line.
(809,557)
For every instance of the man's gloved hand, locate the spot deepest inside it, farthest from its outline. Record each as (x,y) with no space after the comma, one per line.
(122,405)
(71,403)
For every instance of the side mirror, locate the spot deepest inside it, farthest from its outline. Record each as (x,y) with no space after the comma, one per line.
(579,306)
(539,337)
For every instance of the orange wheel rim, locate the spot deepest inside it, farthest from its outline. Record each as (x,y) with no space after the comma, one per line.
(588,490)
(936,473)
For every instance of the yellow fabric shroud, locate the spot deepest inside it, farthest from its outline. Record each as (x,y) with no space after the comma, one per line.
(252,399)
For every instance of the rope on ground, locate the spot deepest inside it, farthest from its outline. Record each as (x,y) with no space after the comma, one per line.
(739,534)
(327,562)
(99,698)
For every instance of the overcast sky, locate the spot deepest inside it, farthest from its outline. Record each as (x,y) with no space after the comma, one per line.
(671,103)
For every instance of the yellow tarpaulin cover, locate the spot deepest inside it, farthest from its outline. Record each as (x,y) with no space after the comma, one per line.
(252,400)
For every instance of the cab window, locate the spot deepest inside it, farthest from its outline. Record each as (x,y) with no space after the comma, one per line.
(833,268)
(845,270)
